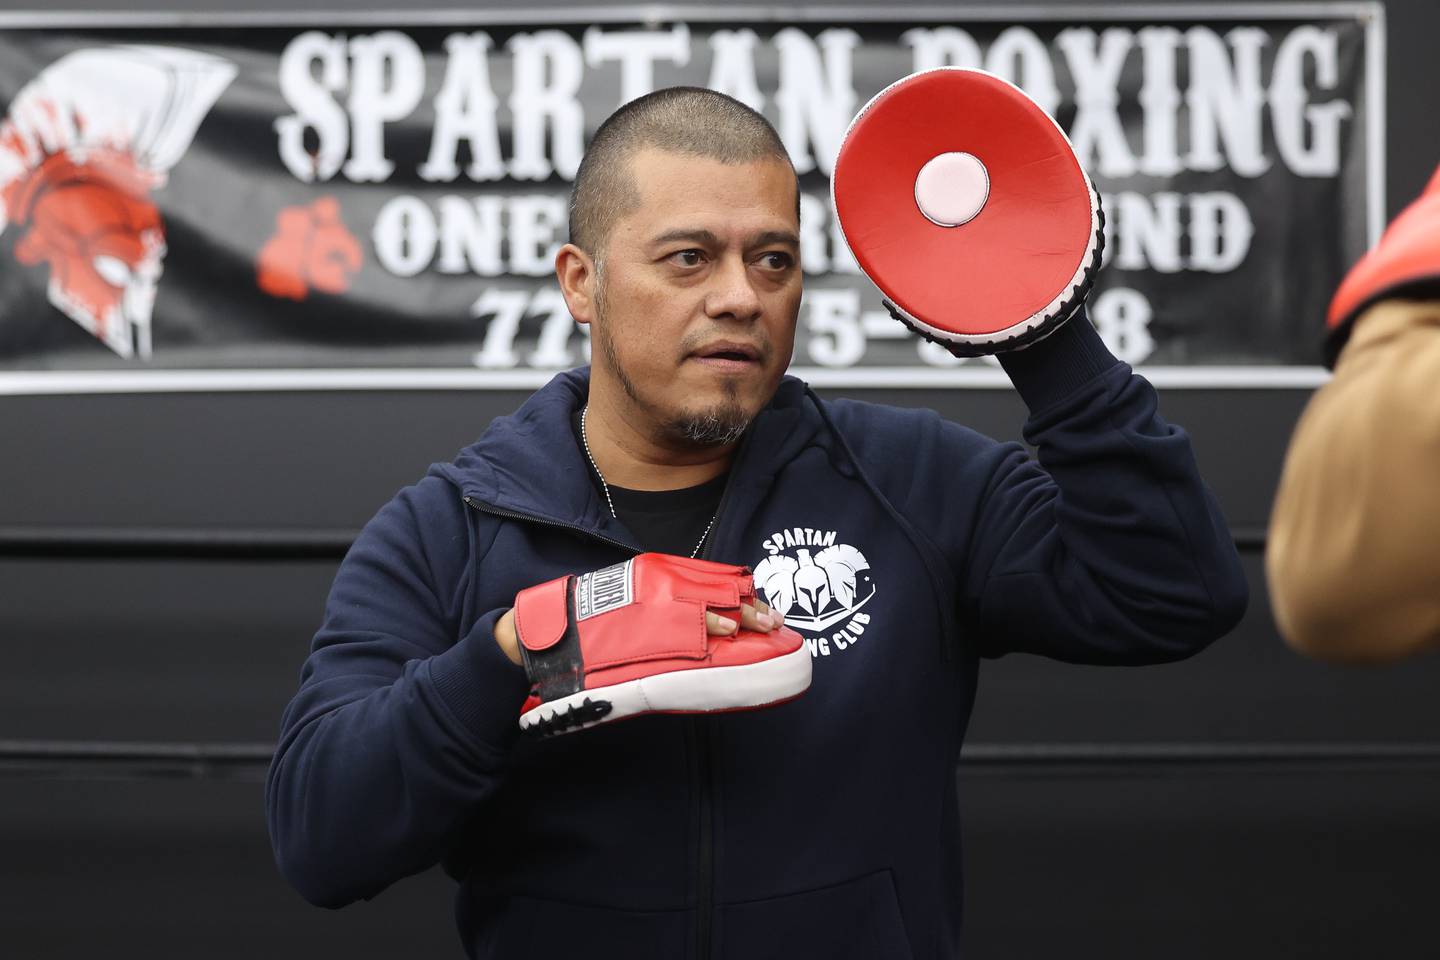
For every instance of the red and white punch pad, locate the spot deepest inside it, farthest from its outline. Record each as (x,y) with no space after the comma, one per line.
(965,204)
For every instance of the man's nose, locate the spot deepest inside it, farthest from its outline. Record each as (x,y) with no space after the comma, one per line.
(732,291)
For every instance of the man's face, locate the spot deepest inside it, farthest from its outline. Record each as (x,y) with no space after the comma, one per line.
(699,292)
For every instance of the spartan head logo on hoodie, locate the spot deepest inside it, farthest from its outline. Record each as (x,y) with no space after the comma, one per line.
(83,146)
(818,584)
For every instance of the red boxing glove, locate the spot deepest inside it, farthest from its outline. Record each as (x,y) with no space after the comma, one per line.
(1406,262)
(631,639)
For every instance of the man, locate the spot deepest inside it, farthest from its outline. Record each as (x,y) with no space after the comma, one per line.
(823,827)
(1354,555)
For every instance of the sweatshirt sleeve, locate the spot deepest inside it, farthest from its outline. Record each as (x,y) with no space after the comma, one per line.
(1106,548)
(1353,559)
(401,727)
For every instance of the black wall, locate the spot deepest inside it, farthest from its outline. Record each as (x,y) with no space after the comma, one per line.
(1245,803)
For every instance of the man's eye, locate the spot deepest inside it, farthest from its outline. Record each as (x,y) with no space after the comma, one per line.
(687,258)
(777,261)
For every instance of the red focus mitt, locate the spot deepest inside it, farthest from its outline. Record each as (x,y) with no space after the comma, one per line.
(631,639)
(963,201)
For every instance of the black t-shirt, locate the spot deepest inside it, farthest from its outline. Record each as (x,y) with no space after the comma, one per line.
(668,521)
(663,521)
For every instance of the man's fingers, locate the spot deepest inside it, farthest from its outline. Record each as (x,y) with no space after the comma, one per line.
(752,618)
(718,625)
(758,617)
(775,615)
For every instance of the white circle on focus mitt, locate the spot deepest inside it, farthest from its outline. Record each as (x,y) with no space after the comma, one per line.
(963,201)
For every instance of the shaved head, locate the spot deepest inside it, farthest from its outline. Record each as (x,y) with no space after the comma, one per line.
(690,121)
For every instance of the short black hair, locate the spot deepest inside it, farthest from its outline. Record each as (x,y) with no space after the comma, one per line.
(692,121)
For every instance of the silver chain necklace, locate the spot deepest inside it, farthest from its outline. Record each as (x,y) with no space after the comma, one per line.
(585,441)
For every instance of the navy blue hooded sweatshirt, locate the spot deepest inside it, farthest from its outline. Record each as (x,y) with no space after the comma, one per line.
(823,827)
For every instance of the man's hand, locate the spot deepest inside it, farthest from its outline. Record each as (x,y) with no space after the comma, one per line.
(758,617)
(505,636)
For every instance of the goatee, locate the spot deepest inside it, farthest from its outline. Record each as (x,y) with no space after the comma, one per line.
(721,426)
(718,428)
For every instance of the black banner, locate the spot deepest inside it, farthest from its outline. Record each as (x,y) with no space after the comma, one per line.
(378,203)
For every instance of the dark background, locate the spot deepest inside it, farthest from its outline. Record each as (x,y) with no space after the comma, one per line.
(1246,803)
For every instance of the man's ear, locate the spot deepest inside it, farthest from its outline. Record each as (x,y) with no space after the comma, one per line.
(576,272)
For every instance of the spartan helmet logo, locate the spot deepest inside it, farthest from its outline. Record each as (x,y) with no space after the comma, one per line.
(81,149)
(816,592)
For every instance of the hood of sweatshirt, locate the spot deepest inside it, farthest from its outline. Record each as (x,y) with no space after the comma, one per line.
(529,463)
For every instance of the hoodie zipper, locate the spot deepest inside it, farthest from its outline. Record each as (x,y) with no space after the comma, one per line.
(702,729)
(705,861)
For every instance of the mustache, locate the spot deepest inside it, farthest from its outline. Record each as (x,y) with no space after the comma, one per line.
(694,341)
